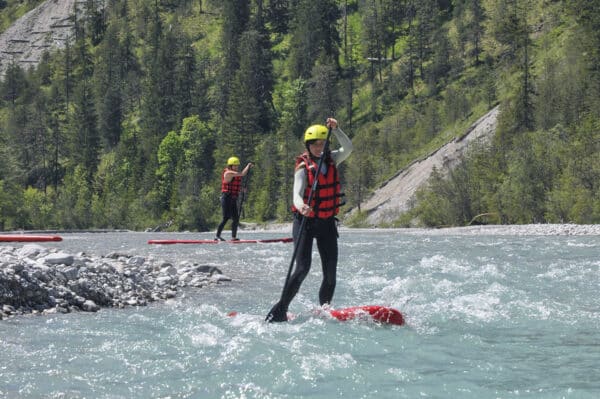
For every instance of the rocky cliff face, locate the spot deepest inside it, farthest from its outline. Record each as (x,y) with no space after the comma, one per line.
(47,26)
(394,197)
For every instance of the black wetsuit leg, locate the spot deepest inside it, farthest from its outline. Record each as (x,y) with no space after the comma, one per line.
(326,234)
(328,250)
(229,209)
(235,217)
(304,243)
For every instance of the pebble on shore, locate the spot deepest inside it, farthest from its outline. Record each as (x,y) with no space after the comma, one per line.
(38,280)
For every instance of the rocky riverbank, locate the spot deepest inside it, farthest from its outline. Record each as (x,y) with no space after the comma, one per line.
(517,230)
(39,280)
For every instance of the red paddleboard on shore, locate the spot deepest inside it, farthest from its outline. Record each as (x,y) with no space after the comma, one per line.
(28,238)
(265,241)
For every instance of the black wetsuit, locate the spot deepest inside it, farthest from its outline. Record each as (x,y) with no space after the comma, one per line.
(230,211)
(325,233)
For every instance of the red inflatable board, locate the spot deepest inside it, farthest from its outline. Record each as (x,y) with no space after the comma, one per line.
(28,238)
(381,314)
(265,241)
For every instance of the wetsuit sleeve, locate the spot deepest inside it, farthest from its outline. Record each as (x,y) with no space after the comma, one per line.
(299,187)
(345,148)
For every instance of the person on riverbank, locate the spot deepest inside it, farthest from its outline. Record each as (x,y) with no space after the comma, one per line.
(320,223)
(231,187)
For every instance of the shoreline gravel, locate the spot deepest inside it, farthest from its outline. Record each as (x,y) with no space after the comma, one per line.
(517,230)
(39,280)
(565,229)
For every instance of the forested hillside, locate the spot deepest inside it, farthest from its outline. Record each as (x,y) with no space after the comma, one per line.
(131,124)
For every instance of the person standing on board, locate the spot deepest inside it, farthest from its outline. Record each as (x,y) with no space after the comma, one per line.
(320,214)
(231,186)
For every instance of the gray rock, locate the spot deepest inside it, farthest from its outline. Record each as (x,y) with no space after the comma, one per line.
(33,280)
(90,306)
(219,278)
(170,270)
(31,251)
(136,260)
(17,268)
(59,258)
(208,269)
(70,272)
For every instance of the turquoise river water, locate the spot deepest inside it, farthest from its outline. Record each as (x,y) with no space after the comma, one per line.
(488,316)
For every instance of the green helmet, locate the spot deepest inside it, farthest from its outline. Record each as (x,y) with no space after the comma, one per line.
(315,132)
(233,161)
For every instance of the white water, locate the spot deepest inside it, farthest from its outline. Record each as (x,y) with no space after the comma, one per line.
(489,316)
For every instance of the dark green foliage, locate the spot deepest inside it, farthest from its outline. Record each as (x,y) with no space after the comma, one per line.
(14,85)
(236,16)
(315,38)
(109,79)
(94,21)
(130,125)
(249,108)
(278,15)
(322,93)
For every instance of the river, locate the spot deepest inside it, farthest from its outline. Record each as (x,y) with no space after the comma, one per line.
(488,316)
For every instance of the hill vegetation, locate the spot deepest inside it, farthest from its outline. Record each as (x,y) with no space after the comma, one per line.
(131,124)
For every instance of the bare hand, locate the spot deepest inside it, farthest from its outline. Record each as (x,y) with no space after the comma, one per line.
(306,210)
(331,123)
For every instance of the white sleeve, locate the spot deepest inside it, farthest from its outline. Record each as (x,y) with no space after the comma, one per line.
(345,148)
(299,187)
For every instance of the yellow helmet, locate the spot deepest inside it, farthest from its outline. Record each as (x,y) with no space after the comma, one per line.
(233,161)
(315,132)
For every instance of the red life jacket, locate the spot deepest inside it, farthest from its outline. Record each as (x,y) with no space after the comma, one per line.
(326,198)
(233,187)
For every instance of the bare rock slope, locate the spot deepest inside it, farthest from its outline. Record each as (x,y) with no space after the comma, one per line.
(393,198)
(45,27)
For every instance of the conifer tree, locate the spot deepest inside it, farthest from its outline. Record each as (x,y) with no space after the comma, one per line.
(236,15)
(426,12)
(13,85)
(322,92)
(246,108)
(108,84)
(249,108)
(277,14)
(510,29)
(314,36)
(84,136)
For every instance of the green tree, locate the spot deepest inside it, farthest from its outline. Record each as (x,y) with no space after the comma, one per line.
(198,140)
(278,14)
(170,154)
(315,38)
(322,93)
(11,200)
(14,84)
(74,203)
(108,86)
(38,208)
(248,111)
(196,210)
(236,16)
(84,138)
(441,58)
(470,18)
(427,14)
(94,20)
(291,103)
(509,27)
(113,203)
